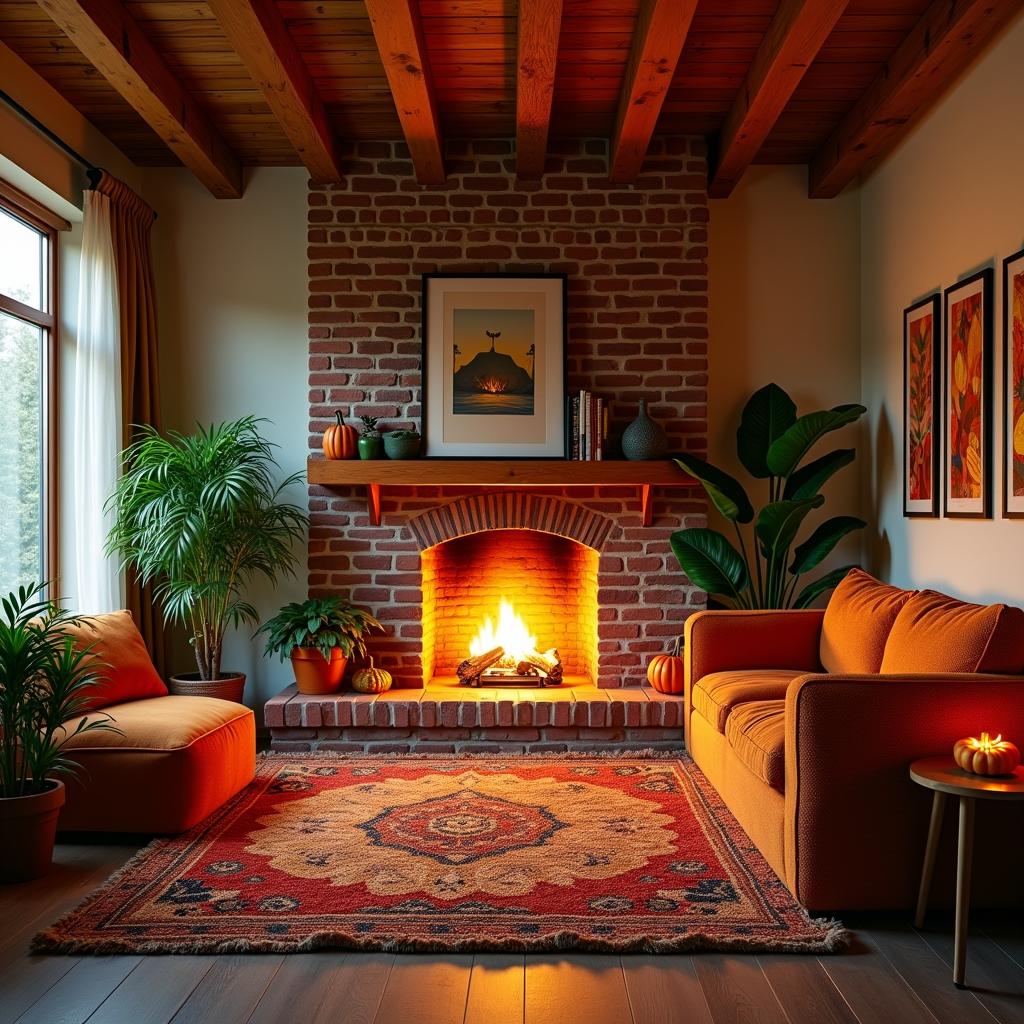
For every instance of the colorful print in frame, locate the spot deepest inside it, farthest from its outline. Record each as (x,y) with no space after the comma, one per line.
(967,398)
(494,365)
(1013,386)
(922,357)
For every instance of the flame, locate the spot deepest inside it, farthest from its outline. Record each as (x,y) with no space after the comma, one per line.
(988,744)
(510,633)
(492,385)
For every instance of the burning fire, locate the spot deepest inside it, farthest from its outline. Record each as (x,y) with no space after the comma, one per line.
(511,634)
(492,385)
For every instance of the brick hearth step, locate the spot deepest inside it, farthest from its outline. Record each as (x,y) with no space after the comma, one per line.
(450,718)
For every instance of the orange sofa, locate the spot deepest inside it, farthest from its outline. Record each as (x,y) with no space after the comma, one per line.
(806,722)
(176,759)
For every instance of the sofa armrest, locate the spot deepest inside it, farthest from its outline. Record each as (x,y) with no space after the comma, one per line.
(855,823)
(720,641)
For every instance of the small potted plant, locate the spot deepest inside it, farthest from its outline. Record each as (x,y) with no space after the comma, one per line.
(319,635)
(44,684)
(369,442)
(402,444)
(199,516)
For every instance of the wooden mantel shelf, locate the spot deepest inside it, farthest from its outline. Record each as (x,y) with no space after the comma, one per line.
(379,473)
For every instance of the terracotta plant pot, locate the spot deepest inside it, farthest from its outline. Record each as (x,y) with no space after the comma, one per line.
(28,825)
(313,674)
(230,686)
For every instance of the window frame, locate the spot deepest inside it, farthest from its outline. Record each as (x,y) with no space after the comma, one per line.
(22,207)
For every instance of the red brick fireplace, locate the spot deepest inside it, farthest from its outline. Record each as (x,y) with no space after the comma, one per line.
(602,587)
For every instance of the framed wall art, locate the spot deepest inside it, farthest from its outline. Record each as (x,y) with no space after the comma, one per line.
(967,398)
(922,395)
(1013,386)
(494,365)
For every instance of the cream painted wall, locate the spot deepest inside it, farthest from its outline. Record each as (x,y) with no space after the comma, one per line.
(946,203)
(784,307)
(232,309)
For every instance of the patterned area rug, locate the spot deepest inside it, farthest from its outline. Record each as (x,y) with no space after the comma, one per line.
(520,853)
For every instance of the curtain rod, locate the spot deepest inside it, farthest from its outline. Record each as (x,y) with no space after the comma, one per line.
(92,172)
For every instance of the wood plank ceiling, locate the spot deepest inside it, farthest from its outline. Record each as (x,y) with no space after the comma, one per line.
(829,83)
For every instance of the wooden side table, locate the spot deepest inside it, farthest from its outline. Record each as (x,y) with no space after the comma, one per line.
(942,775)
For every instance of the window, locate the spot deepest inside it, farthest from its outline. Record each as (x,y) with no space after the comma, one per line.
(27,393)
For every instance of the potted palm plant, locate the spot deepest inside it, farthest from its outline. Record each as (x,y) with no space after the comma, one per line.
(319,635)
(772,443)
(43,688)
(199,516)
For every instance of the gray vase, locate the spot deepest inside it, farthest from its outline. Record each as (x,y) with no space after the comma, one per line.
(643,439)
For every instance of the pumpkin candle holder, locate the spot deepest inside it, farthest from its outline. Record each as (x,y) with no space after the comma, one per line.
(986,756)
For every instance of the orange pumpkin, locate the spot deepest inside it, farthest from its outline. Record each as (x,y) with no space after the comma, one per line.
(340,440)
(986,756)
(665,672)
(371,679)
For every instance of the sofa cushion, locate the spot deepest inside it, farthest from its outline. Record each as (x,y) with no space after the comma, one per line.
(859,616)
(937,633)
(756,731)
(717,694)
(124,668)
(179,759)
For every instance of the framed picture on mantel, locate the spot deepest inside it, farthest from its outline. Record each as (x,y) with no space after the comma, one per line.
(967,398)
(1013,386)
(922,391)
(494,365)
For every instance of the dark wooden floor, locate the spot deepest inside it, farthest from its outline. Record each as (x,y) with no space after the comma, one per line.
(892,974)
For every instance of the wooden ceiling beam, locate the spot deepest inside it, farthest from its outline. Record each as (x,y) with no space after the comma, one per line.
(399,35)
(258,34)
(112,41)
(944,41)
(661,30)
(540,24)
(794,37)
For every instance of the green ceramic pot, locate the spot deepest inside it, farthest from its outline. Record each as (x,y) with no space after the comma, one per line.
(401,447)
(370,447)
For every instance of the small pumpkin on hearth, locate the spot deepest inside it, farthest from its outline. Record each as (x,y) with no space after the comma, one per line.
(371,679)
(341,441)
(986,756)
(665,671)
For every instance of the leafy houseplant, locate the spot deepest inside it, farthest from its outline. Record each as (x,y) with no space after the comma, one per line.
(319,635)
(43,687)
(199,516)
(402,444)
(369,443)
(772,442)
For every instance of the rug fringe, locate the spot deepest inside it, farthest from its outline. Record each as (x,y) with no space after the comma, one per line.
(835,939)
(647,753)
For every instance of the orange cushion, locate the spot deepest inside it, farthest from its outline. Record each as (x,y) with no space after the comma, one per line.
(857,621)
(123,666)
(717,694)
(178,760)
(756,731)
(936,633)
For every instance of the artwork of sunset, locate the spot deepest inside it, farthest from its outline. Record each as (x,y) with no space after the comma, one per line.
(966,348)
(1016,303)
(919,408)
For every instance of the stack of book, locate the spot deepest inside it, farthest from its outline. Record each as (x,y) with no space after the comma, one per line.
(587,416)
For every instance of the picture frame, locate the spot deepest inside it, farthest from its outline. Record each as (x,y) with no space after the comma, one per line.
(967,398)
(494,366)
(922,403)
(1013,386)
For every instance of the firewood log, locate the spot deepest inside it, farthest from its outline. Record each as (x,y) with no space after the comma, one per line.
(546,664)
(472,668)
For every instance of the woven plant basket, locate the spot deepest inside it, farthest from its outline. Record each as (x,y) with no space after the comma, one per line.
(228,687)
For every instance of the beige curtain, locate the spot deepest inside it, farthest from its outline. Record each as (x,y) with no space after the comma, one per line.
(131,224)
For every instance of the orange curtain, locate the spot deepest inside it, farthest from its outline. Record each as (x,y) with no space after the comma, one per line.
(132,222)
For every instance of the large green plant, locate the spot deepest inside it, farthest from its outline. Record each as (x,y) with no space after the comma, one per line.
(772,442)
(199,516)
(326,623)
(43,686)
